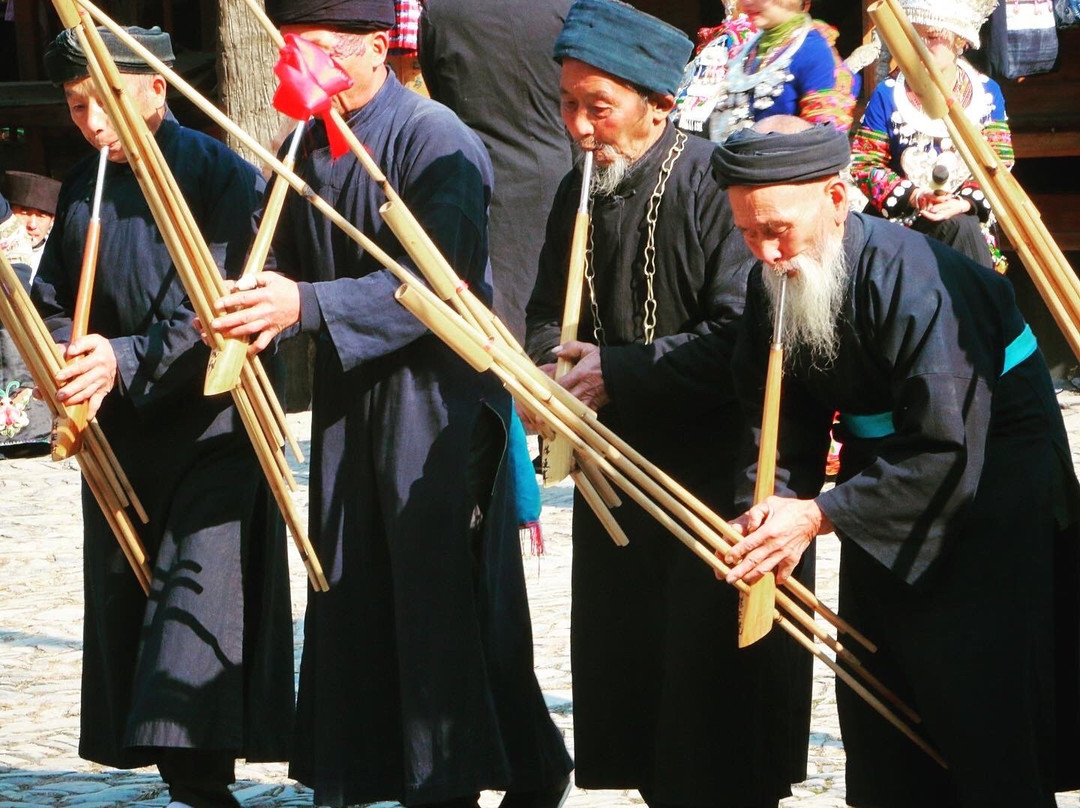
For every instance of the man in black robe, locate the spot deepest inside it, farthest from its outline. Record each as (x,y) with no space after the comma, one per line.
(417,679)
(955,505)
(654,634)
(202,672)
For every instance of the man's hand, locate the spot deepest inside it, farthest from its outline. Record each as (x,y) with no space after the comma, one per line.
(585,379)
(265,310)
(777,532)
(89,375)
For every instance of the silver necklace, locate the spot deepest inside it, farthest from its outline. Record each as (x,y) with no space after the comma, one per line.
(651,216)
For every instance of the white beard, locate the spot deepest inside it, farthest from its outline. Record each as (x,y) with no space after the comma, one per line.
(606,179)
(812,300)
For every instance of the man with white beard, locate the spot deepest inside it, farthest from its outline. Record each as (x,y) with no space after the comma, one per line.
(653,634)
(952,440)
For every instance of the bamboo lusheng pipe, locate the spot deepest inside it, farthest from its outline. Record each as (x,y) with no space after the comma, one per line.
(70,431)
(461,297)
(194,264)
(755,608)
(536,408)
(1053,277)
(556,459)
(224,371)
(43,360)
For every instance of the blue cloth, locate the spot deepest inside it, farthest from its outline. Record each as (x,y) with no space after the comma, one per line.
(522,474)
(627,43)
(880,424)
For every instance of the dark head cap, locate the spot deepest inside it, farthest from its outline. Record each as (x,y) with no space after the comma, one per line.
(629,44)
(749,157)
(65,60)
(346,15)
(30,190)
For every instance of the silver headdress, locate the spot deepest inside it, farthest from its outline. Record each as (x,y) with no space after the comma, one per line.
(962,17)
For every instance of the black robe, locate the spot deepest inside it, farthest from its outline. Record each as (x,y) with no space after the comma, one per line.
(207,661)
(417,678)
(490,61)
(653,632)
(958,529)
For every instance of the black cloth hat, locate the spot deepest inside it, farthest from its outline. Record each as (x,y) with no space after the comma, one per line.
(347,15)
(30,190)
(629,44)
(775,158)
(65,61)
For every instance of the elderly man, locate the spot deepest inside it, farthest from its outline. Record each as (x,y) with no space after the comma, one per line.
(956,500)
(417,679)
(653,633)
(24,225)
(202,672)
(33,200)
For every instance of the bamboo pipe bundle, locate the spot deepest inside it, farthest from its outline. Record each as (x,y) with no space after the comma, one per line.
(568,418)
(463,298)
(1053,277)
(103,475)
(196,270)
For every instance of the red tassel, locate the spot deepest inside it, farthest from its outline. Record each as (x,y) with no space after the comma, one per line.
(535,536)
(309,79)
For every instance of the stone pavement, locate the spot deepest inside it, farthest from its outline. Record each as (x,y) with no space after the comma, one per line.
(40,651)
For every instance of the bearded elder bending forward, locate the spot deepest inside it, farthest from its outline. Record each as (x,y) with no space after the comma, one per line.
(955,504)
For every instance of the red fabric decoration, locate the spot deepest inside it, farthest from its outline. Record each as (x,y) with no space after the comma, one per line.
(308,81)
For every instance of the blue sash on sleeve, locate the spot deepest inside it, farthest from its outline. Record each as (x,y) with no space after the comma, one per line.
(880,424)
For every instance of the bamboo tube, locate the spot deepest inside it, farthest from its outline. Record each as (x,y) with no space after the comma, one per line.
(599,507)
(69,430)
(462,297)
(556,460)
(224,371)
(194,264)
(437,322)
(599,482)
(43,361)
(756,608)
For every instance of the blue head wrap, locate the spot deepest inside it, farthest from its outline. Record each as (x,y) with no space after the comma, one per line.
(629,44)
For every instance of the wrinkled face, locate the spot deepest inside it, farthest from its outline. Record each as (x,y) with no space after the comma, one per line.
(797,231)
(147,93)
(780,222)
(767,14)
(607,116)
(38,223)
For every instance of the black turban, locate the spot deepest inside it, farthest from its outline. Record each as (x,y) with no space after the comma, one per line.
(777,158)
(627,43)
(64,60)
(30,190)
(347,15)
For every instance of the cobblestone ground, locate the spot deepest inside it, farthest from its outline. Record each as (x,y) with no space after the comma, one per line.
(40,652)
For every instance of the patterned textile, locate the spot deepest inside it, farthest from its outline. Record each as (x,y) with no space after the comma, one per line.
(404,36)
(897,147)
(731,83)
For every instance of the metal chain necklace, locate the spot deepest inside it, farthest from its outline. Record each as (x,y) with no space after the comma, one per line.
(651,216)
